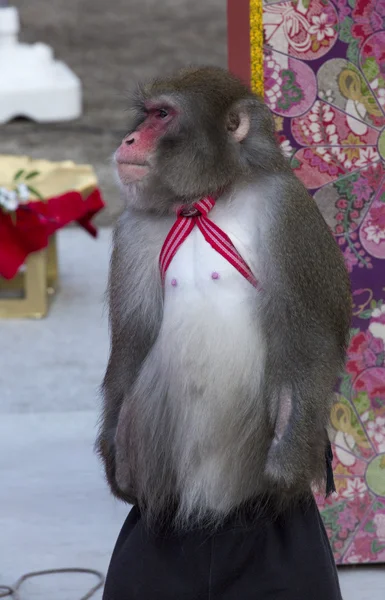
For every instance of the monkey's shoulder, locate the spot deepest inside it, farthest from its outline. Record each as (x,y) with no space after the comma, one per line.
(295,218)
(139,235)
(286,189)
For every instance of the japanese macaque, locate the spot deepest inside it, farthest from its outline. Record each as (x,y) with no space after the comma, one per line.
(217,391)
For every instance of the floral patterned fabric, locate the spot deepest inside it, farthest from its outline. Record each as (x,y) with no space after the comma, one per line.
(325,83)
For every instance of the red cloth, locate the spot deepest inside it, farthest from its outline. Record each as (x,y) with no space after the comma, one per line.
(187,218)
(36,221)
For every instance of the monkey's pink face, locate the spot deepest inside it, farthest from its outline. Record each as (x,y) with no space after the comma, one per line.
(134,155)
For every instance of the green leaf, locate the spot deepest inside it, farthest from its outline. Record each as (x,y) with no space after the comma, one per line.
(370,527)
(345,385)
(18,174)
(352,3)
(35,192)
(295,163)
(382,197)
(380,359)
(291,92)
(354,331)
(378,506)
(353,51)
(345,377)
(362,402)
(373,304)
(32,174)
(344,185)
(377,546)
(365,314)
(346,30)
(371,68)
(330,516)
(344,188)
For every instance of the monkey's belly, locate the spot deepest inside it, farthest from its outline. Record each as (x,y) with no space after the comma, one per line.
(213,350)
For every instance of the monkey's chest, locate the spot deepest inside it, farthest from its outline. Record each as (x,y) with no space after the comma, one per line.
(210,332)
(199,273)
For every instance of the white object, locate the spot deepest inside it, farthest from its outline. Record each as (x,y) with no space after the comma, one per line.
(32,83)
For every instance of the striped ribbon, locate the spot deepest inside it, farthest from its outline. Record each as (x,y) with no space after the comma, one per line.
(187,218)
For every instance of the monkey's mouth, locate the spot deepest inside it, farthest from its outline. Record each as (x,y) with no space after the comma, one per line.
(130,172)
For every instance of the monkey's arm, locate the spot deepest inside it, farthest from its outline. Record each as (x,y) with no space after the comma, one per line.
(306,321)
(133,296)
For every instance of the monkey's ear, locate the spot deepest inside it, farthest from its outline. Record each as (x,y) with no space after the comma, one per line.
(239,121)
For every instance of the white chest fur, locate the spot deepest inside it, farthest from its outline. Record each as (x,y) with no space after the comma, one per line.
(210,309)
(212,348)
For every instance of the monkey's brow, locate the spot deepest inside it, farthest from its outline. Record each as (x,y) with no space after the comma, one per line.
(159,101)
(154,103)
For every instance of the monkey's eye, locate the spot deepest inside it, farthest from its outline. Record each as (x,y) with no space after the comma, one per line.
(162,113)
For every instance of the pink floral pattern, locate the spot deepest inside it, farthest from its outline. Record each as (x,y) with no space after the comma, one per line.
(325,83)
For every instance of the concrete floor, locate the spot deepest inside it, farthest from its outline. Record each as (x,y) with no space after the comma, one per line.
(55,510)
(111,44)
(69,348)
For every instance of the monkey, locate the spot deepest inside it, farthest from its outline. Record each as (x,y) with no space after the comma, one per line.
(225,346)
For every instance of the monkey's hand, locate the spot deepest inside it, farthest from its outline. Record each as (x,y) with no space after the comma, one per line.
(296,461)
(296,455)
(282,472)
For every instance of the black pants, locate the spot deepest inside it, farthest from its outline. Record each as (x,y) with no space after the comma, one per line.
(288,558)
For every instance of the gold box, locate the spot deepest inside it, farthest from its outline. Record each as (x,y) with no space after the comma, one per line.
(28,293)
